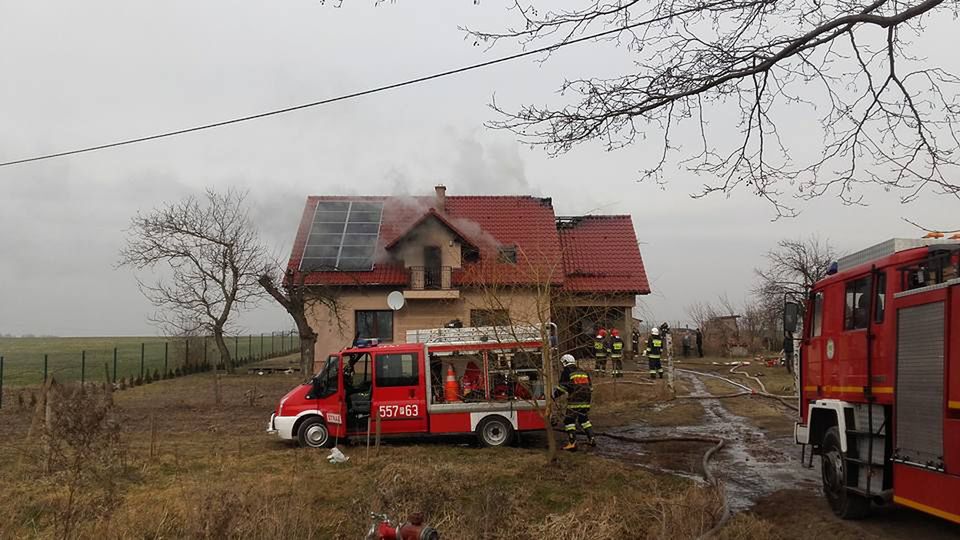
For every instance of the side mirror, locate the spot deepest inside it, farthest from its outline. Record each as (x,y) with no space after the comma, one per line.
(791,317)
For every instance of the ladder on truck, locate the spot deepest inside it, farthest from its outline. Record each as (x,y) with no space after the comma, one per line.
(477,334)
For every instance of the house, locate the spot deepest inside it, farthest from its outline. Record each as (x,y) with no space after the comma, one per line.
(478,260)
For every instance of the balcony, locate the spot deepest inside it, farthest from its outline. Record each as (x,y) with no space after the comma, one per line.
(431,283)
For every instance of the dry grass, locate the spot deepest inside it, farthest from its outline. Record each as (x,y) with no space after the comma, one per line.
(192,469)
(624,404)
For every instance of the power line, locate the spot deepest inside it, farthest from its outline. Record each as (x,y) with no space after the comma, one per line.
(408,82)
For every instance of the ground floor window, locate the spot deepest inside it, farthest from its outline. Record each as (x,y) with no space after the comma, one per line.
(375,324)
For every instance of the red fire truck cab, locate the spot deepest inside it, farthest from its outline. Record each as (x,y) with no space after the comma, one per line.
(458,381)
(880,378)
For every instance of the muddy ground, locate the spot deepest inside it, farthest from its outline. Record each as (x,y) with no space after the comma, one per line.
(759,464)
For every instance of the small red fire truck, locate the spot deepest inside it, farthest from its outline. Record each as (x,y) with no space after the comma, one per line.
(879,377)
(448,381)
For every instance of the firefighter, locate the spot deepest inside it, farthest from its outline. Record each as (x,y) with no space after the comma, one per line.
(616,352)
(653,352)
(600,351)
(575,384)
(635,345)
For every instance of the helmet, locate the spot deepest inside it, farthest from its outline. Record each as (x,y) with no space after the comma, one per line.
(655,331)
(568,360)
(614,332)
(601,333)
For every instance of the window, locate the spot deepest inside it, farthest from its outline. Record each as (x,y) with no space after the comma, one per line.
(489,317)
(507,254)
(356,372)
(397,370)
(880,298)
(817,314)
(469,254)
(325,382)
(375,324)
(857,306)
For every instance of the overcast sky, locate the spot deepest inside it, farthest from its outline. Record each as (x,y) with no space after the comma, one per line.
(83,73)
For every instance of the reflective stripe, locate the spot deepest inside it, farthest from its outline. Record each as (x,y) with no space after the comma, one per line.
(570,427)
(653,372)
(586,425)
(561,389)
(578,406)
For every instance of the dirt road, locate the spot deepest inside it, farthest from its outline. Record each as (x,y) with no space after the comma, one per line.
(760,464)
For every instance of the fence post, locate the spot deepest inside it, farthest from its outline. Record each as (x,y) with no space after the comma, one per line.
(186,353)
(114,365)
(249,347)
(1,382)
(205,347)
(142,356)
(83,367)
(261,345)
(273,348)
(236,349)
(45,357)
(166,350)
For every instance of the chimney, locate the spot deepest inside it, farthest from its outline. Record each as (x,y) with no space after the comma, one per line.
(441,201)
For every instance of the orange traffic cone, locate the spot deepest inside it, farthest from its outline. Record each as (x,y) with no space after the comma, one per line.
(451,390)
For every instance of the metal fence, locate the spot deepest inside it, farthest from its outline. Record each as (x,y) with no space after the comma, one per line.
(131,362)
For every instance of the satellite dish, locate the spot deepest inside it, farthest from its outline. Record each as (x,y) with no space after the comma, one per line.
(395,300)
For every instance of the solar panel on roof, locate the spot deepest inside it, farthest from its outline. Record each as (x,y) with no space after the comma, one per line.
(343,236)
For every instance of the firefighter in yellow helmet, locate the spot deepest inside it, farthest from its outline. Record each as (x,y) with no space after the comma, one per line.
(653,353)
(575,384)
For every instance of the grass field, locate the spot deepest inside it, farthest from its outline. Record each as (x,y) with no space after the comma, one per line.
(73,358)
(189,468)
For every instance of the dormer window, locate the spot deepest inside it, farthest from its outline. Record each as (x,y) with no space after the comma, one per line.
(507,254)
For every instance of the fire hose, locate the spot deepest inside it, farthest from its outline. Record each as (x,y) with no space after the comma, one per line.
(746,390)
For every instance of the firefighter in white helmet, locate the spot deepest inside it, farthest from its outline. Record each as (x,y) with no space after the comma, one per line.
(653,353)
(575,383)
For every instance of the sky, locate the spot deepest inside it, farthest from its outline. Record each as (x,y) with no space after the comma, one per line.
(84,73)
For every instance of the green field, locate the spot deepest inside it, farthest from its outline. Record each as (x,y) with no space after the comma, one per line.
(92,358)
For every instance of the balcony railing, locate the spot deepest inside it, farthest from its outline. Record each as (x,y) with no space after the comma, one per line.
(430,278)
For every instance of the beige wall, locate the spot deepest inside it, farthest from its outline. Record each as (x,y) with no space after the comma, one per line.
(416,314)
(429,233)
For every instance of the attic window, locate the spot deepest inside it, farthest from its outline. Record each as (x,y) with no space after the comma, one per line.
(507,254)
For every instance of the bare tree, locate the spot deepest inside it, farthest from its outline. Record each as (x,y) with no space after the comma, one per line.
(209,257)
(793,267)
(888,117)
(298,299)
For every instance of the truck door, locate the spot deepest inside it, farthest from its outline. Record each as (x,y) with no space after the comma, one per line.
(399,392)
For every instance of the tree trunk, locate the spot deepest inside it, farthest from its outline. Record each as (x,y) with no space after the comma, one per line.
(225,358)
(308,347)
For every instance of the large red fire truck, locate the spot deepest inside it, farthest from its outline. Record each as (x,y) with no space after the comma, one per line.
(880,378)
(451,381)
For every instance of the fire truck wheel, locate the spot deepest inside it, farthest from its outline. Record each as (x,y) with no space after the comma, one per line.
(313,433)
(495,431)
(833,470)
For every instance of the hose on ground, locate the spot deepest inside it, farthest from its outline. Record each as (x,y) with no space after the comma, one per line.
(759,382)
(747,389)
(704,463)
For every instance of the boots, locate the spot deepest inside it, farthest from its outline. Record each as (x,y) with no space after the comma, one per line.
(661,374)
(570,446)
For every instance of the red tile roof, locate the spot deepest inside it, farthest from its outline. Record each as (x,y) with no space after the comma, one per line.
(487,222)
(601,254)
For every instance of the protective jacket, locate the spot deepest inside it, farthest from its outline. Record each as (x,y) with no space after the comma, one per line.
(654,347)
(599,348)
(616,347)
(575,383)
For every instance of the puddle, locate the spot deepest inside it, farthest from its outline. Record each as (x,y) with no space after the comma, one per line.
(751,464)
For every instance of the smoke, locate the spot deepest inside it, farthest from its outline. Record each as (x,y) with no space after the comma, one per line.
(475,233)
(487,164)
